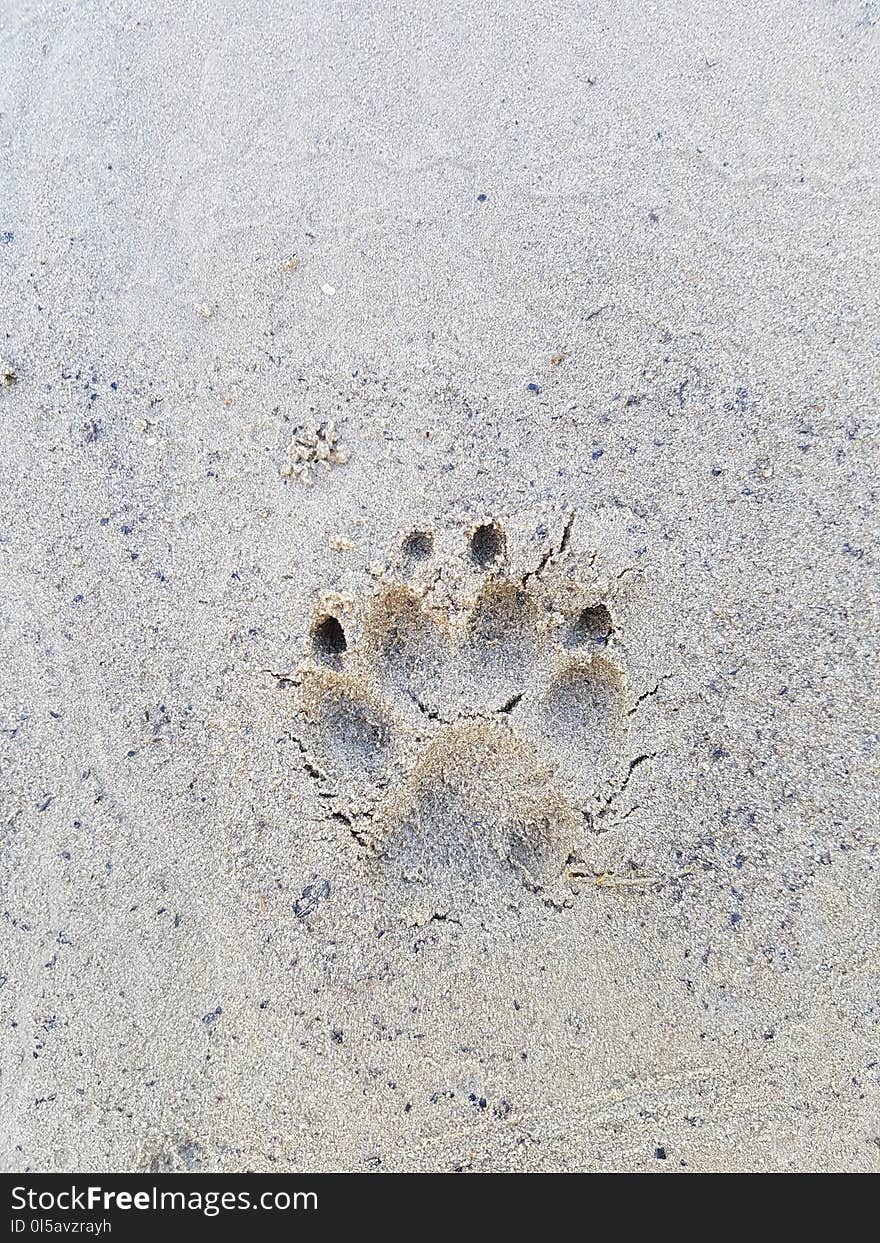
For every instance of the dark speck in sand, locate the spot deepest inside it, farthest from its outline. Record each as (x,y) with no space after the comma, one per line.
(481,198)
(311,896)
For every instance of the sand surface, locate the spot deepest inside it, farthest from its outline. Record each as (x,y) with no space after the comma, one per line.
(438,552)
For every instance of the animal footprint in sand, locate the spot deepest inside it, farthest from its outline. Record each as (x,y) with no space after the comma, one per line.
(467,724)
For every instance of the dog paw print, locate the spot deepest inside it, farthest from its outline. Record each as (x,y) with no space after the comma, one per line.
(468,724)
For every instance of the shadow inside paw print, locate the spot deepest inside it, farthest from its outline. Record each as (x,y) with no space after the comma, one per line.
(353,733)
(479,807)
(501,648)
(581,722)
(465,734)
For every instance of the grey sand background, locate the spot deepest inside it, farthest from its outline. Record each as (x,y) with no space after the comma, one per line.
(219,222)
